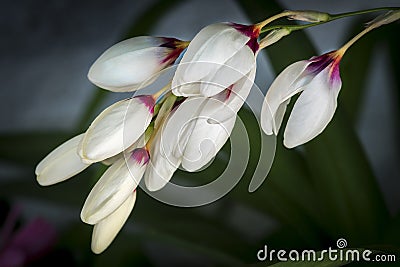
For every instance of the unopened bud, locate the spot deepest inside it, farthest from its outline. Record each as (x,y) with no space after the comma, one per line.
(309,16)
(383,19)
(273,37)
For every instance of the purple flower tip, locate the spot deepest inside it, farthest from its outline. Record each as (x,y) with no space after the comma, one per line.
(140,155)
(253,44)
(335,73)
(250,31)
(175,47)
(170,42)
(148,101)
(329,60)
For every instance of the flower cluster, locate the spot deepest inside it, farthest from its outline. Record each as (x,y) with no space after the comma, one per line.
(150,136)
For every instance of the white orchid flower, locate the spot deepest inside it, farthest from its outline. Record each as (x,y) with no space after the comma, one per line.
(214,124)
(218,56)
(205,142)
(228,102)
(319,79)
(117,128)
(134,63)
(114,187)
(107,229)
(61,164)
(195,131)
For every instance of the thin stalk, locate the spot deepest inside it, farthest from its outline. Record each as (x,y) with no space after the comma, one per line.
(331,18)
(262,24)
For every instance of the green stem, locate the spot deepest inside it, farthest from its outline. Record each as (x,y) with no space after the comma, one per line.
(331,18)
(348,14)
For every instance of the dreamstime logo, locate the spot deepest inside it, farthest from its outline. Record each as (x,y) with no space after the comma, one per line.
(341,243)
(331,254)
(232,127)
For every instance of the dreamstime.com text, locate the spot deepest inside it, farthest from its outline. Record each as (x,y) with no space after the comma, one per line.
(331,254)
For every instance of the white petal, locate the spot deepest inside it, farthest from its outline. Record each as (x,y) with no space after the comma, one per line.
(112,189)
(179,126)
(130,64)
(205,142)
(240,90)
(116,128)
(190,89)
(288,83)
(113,159)
(237,67)
(230,102)
(61,164)
(161,167)
(280,113)
(210,49)
(139,143)
(107,229)
(313,110)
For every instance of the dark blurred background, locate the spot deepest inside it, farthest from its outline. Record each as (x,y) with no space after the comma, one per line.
(342,184)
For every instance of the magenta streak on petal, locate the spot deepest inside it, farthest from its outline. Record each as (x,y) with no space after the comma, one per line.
(140,155)
(250,31)
(253,44)
(334,72)
(148,101)
(329,60)
(321,62)
(169,42)
(228,92)
(172,51)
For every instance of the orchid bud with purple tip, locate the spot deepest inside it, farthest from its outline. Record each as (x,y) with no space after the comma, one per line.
(115,186)
(134,63)
(117,128)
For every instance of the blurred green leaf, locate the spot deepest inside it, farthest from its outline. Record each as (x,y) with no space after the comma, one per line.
(29,148)
(286,194)
(394,44)
(392,232)
(354,67)
(26,186)
(188,229)
(149,18)
(353,204)
(357,62)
